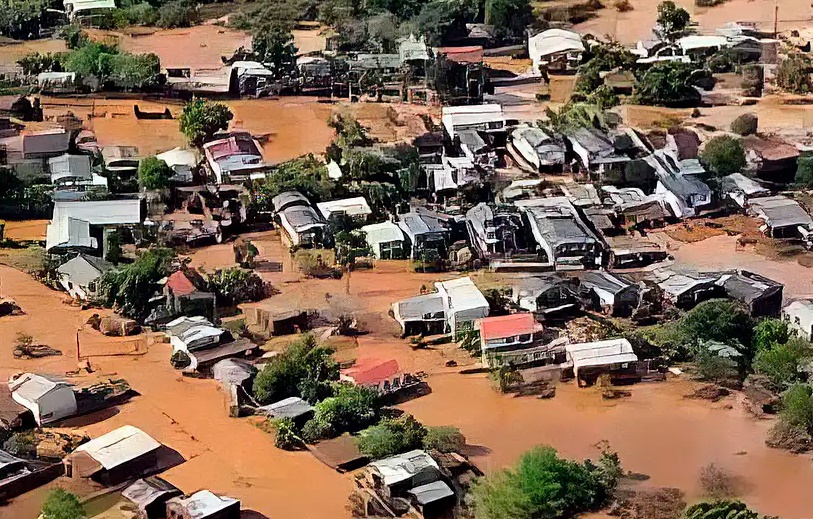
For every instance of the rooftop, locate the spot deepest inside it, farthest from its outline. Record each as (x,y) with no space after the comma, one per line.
(403,467)
(507,326)
(204,503)
(372,371)
(119,447)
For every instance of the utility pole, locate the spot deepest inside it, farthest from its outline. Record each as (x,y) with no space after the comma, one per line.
(775,18)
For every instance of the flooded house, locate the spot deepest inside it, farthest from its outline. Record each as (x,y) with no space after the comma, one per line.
(182,295)
(537,150)
(781,217)
(549,294)
(562,239)
(555,50)
(595,152)
(515,339)
(203,504)
(115,457)
(609,293)
(293,408)
(183,162)
(626,251)
(87,8)
(684,194)
(465,77)
(633,207)
(234,158)
(487,118)
(73,177)
(433,500)
(198,345)
(740,189)
(386,240)
(499,238)
(799,316)
(49,399)
(430,147)
(300,221)
(384,376)
(396,475)
(613,357)
(771,159)
(80,275)
(150,496)
(760,295)
(453,308)
(429,233)
(685,289)
(81,225)
(355,208)
(122,161)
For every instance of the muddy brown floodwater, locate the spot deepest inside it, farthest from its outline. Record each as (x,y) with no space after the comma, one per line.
(656,431)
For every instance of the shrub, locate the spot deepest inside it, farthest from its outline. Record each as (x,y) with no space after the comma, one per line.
(797,407)
(131,287)
(178,13)
(234,285)
(746,124)
(541,485)
(717,320)
(717,509)
(61,504)
(351,409)
(153,173)
(723,155)
(622,6)
(804,171)
(783,363)
(304,370)
(672,20)
(753,80)
(21,444)
(667,84)
(769,333)
(286,436)
(793,74)
(444,439)
(391,436)
(717,482)
(141,14)
(720,370)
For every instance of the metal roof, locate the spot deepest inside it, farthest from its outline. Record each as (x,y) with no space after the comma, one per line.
(554,41)
(32,386)
(119,447)
(288,198)
(500,327)
(66,166)
(600,353)
(403,467)
(83,270)
(423,307)
(9,462)
(301,218)
(462,294)
(204,503)
(431,492)
(779,211)
(292,407)
(181,324)
(382,233)
(356,206)
(233,371)
(144,492)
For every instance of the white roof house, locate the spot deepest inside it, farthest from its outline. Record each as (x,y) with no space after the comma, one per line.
(354,207)
(487,117)
(63,231)
(203,504)
(601,353)
(547,46)
(47,398)
(379,234)
(76,8)
(799,315)
(416,467)
(78,276)
(181,161)
(118,447)
(462,301)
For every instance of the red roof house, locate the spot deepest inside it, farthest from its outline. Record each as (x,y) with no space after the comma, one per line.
(372,373)
(180,284)
(505,326)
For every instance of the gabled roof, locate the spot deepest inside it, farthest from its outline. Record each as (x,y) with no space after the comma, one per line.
(504,326)
(431,492)
(83,269)
(462,294)
(605,281)
(779,211)
(382,232)
(746,286)
(371,371)
(144,492)
(119,447)
(600,353)
(180,284)
(46,141)
(287,199)
(292,407)
(403,467)
(32,386)
(356,206)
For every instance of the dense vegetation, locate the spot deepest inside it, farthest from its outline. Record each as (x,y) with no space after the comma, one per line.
(130,287)
(153,173)
(61,504)
(304,370)
(723,155)
(396,435)
(201,119)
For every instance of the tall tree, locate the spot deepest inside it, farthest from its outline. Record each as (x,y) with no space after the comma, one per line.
(201,119)
(274,45)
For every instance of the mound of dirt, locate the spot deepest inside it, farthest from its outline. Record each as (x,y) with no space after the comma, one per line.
(788,437)
(711,392)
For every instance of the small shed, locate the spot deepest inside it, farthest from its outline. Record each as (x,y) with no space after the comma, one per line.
(433,500)
(463,302)
(150,496)
(49,399)
(396,475)
(610,293)
(236,372)
(356,208)
(203,504)
(591,359)
(762,296)
(293,407)
(117,456)
(386,240)
(381,375)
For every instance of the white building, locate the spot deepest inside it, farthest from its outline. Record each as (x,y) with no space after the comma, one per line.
(48,399)
(799,315)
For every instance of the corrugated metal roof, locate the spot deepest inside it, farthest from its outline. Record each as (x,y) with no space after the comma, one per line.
(372,371)
(82,270)
(356,206)
(382,233)
(507,326)
(119,447)
(204,503)
(144,492)
(462,294)
(431,492)
(292,407)
(32,387)
(403,467)
(613,351)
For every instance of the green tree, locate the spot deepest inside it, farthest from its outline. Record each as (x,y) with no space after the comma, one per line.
(672,20)
(351,409)
(135,71)
(804,171)
(177,13)
(130,287)
(61,504)
(793,74)
(797,407)
(510,18)
(442,20)
(274,46)
(153,173)
(783,363)
(770,332)
(540,486)
(286,434)
(114,251)
(667,84)
(234,285)
(717,320)
(391,436)
(304,174)
(444,438)
(201,119)
(94,59)
(714,368)
(36,63)
(304,370)
(24,20)
(723,155)
(727,509)
(74,36)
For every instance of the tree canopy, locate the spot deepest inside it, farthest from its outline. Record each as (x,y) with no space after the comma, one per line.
(672,19)
(804,171)
(350,409)
(274,46)
(391,436)
(667,84)
(304,370)
(61,504)
(723,155)
(201,119)
(153,173)
(729,509)
(131,286)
